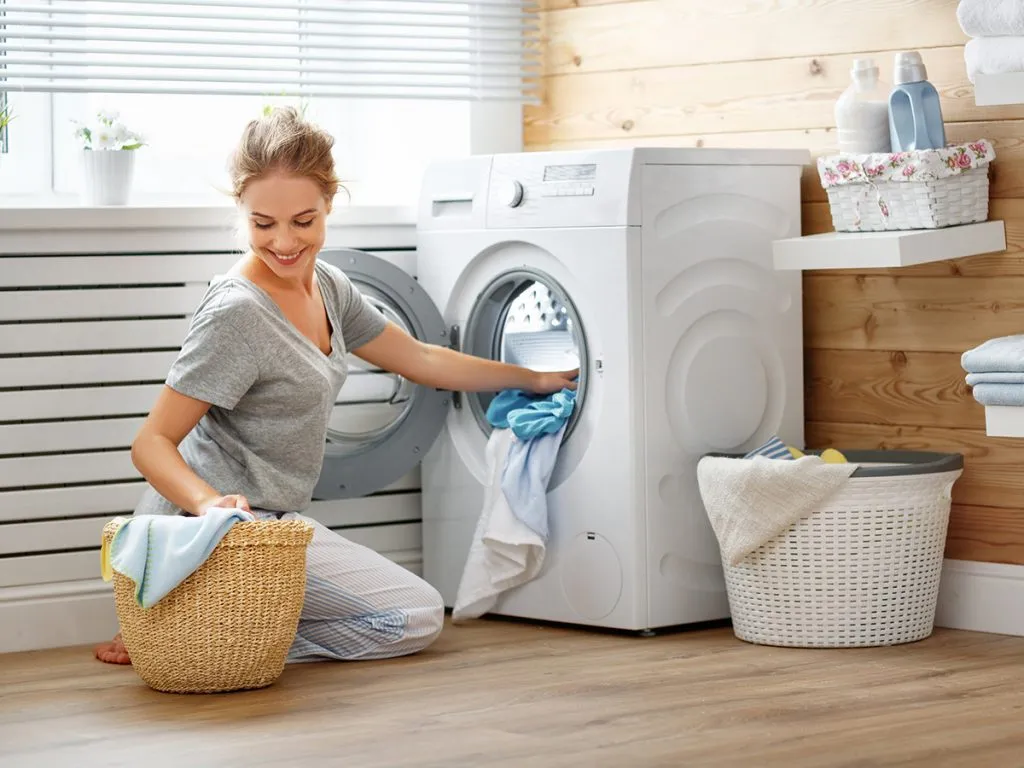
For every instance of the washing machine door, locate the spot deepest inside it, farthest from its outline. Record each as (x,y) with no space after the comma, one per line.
(382,424)
(525,317)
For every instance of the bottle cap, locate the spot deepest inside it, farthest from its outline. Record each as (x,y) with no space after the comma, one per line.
(908,68)
(864,71)
(864,65)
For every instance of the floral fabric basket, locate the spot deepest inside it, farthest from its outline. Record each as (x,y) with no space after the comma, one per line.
(923,189)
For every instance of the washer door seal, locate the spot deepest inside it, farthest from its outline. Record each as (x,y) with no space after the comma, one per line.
(360,462)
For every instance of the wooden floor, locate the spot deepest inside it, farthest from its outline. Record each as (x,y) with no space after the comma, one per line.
(505,694)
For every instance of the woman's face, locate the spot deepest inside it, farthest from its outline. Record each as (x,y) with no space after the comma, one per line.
(287,217)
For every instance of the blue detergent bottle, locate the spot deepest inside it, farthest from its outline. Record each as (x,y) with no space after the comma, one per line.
(915,117)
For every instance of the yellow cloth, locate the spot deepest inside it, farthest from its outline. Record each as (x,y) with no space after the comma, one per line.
(829,455)
(105,569)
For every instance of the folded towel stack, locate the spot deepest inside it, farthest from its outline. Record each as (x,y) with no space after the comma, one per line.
(995,370)
(996,29)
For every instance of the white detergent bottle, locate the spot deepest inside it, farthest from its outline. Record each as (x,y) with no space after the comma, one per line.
(862,111)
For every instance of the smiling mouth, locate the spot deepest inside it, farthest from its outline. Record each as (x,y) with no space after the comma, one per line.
(287,258)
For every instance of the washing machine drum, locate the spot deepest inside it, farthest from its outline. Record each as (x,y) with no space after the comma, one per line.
(524,317)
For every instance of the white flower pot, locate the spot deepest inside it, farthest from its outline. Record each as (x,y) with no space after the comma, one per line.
(107,176)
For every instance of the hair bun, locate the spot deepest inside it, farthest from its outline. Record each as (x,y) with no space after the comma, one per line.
(283,141)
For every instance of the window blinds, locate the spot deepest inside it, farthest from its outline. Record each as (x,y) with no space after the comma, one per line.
(442,49)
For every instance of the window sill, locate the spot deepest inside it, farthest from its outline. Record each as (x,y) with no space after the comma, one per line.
(55,228)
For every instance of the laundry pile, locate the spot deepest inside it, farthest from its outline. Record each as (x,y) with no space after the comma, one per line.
(158,552)
(774,448)
(753,499)
(995,370)
(996,29)
(511,535)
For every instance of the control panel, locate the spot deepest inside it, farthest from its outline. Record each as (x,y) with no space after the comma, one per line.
(559,189)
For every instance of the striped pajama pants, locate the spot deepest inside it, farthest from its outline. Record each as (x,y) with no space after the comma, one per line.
(359,604)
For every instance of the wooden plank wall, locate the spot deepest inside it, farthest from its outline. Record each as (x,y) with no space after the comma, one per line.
(882,346)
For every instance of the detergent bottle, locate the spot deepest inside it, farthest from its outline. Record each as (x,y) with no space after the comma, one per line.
(915,118)
(862,111)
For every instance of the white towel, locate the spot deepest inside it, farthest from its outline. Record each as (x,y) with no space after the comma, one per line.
(505,552)
(994,56)
(991,18)
(751,501)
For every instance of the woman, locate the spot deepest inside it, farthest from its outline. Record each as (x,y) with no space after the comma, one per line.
(242,419)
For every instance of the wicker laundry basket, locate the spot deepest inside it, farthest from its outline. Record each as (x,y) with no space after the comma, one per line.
(230,624)
(924,189)
(862,570)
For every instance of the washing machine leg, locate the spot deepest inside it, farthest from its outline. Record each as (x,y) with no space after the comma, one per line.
(647,633)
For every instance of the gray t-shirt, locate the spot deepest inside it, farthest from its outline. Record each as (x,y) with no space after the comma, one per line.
(270,388)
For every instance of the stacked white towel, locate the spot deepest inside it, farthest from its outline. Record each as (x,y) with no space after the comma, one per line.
(996,29)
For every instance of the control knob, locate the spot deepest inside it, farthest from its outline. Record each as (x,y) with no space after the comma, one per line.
(514,194)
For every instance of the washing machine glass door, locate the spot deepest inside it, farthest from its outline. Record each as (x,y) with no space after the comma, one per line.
(382,424)
(525,317)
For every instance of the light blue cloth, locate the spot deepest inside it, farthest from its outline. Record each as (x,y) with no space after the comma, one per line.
(158,552)
(529,416)
(539,424)
(999,394)
(995,377)
(525,481)
(774,448)
(1004,354)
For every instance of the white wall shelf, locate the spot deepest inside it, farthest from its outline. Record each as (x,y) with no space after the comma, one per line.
(856,250)
(996,90)
(1004,421)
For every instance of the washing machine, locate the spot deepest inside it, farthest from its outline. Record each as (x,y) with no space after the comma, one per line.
(651,270)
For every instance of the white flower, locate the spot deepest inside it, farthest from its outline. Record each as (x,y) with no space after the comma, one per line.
(104,139)
(106,132)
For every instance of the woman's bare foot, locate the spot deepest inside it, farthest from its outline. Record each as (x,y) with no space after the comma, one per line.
(113,652)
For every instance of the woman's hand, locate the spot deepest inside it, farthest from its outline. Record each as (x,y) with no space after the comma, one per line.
(549,383)
(231,501)
(441,368)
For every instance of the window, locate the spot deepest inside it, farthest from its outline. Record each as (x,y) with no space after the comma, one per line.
(4,114)
(24,144)
(25,166)
(398,83)
(381,147)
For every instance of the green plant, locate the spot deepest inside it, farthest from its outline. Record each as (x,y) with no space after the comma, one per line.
(107,132)
(6,116)
(302,106)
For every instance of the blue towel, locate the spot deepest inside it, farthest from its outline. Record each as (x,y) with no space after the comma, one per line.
(525,480)
(529,416)
(774,448)
(158,552)
(995,377)
(538,422)
(999,394)
(1002,355)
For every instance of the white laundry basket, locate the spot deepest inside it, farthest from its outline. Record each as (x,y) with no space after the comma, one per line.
(863,570)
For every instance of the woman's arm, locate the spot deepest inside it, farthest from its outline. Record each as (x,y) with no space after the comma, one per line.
(442,368)
(155,454)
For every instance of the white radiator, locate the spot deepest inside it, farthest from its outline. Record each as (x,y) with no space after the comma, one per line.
(85,344)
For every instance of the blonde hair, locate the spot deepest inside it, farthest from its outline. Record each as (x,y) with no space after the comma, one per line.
(284,142)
